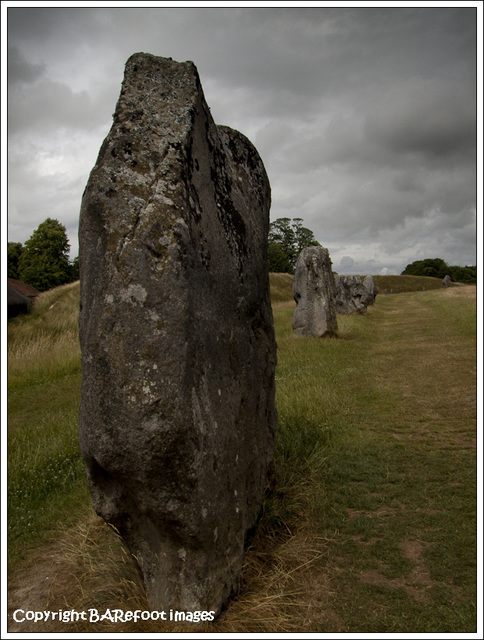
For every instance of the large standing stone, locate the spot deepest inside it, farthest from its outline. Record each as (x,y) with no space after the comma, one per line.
(351,295)
(314,293)
(177,417)
(447,281)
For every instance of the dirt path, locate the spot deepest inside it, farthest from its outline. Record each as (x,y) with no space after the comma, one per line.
(403,560)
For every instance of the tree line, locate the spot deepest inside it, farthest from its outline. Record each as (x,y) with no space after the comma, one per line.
(438,268)
(43,261)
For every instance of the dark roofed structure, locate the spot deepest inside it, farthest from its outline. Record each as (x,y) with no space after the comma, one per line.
(19,297)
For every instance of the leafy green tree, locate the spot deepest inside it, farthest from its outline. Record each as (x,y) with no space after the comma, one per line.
(291,238)
(44,262)
(303,237)
(432,267)
(281,232)
(74,269)
(466,274)
(438,268)
(14,251)
(278,260)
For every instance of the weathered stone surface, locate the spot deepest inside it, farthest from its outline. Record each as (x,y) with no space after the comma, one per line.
(371,291)
(351,295)
(447,281)
(177,417)
(314,293)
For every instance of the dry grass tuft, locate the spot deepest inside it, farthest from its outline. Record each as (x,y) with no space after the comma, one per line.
(284,585)
(87,568)
(284,589)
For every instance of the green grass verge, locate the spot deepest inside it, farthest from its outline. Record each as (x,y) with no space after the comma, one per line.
(388,412)
(46,480)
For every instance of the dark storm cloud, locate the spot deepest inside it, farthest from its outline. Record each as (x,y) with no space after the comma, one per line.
(20,70)
(422,117)
(365,117)
(49,106)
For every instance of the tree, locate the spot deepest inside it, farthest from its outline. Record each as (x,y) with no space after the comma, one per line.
(14,251)
(438,268)
(278,260)
(44,262)
(432,267)
(303,237)
(282,234)
(466,274)
(287,238)
(75,269)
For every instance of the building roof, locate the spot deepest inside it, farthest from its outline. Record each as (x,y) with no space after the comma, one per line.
(23,288)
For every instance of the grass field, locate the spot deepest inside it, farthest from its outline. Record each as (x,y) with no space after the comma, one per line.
(369,522)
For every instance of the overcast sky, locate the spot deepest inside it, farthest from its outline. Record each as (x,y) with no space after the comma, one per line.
(365,118)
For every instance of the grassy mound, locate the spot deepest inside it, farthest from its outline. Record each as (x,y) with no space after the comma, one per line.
(281,287)
(406,284)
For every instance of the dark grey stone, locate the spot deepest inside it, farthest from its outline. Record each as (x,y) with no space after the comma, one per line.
(177,417)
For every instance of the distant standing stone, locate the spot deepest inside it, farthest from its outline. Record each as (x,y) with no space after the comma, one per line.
(371,291)
(177,417)
(447,281)
(351,295)
(314,293)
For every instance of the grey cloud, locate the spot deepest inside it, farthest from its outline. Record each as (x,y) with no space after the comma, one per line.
(417,116)
(19,69)
(49,105)
(364,117)
(37,23)
(346,263)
